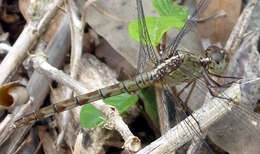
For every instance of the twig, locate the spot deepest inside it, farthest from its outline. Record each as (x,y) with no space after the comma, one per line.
(66,117)
(23,44)
(182,133)
(132,143)
(84,10)
(77,32)
(41,65)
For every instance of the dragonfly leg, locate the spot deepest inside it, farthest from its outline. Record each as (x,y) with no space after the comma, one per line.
(190,92)
(120,74)
(77,100)
(212,93)
(209,86)
(161,47)
(164,42)
(222,76)
(185,107)
(182,90)
(217,85)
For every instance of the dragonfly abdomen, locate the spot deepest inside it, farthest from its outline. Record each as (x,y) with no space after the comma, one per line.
(141,81)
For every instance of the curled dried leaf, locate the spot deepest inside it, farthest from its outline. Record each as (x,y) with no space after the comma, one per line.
(13,94)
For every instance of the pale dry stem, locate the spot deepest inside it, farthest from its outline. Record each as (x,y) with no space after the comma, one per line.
(77,32)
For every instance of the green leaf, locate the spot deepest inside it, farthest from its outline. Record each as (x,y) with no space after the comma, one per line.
(172,16)
(168,8)
(90,117)
(122,102)
(149,98)
(156,27)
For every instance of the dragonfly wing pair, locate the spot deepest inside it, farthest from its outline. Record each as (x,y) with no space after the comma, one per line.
(147,53)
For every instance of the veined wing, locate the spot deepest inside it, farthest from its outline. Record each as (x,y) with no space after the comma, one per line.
(146,50)
(246,121)
(147,54)
(190,23)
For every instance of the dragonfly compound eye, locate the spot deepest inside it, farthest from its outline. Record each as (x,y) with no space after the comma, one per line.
(219,59)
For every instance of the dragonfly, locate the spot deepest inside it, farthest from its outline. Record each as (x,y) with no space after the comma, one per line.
(170,67)
(167,69)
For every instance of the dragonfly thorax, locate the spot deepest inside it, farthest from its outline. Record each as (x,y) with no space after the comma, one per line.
(187,67)
(219,59)
(168,65)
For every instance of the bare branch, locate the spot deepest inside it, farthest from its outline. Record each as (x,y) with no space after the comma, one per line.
(182,133)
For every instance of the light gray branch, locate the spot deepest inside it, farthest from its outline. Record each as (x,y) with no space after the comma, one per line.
(183,132)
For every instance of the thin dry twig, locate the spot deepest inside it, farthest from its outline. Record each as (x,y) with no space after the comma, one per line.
(83,13)
(77,32)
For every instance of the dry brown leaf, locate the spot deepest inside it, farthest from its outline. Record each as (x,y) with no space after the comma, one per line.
(218,30)
(13,94)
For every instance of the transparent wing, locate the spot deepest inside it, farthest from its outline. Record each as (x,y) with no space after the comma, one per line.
(190,23)
(182,111)
(245,119)
(147,54)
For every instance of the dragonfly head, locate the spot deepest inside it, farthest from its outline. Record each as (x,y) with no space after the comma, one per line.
(218,59)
